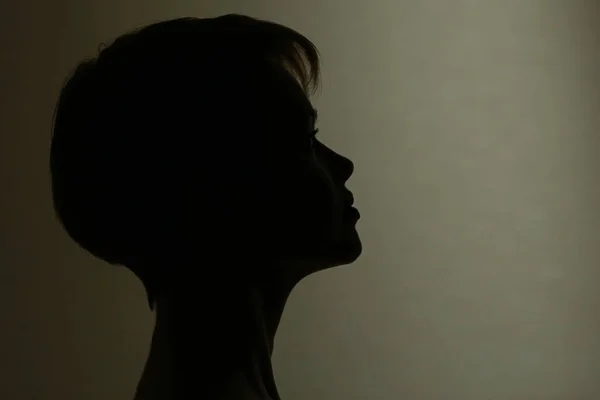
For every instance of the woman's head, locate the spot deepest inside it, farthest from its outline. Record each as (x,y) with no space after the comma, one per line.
(193,140)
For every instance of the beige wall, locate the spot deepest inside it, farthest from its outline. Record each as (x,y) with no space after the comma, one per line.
(474,128)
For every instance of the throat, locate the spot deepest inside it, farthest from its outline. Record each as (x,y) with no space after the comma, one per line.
(222,352)
(195,376)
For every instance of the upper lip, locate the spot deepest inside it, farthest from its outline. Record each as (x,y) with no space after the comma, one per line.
(350,198)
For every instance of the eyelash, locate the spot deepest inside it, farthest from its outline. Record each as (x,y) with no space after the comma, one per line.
(314,133)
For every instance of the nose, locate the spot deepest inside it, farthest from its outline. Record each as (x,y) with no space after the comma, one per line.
(341,167)
(347,168)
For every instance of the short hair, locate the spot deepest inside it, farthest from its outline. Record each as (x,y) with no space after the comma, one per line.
(125,118)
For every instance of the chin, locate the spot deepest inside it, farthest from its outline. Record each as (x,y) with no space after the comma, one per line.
(350,256)
(335,256)
(325,253)
(346,252)
(351,247)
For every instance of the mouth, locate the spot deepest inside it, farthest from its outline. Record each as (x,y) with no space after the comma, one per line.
(351,210)
(349,199)
(353,213)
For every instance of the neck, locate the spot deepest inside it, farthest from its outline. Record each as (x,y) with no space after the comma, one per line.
(216,340)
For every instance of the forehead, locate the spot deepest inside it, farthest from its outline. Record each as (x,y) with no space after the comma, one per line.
(286,96)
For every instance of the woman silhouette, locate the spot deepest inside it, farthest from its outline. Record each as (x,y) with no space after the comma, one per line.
(186,152)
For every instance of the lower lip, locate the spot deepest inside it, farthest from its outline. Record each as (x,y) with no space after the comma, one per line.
(354,212)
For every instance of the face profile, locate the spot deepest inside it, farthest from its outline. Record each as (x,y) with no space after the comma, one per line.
(315,217)
(189,152)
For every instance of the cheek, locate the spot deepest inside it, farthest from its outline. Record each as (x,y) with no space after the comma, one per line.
(317,206)
(298,206)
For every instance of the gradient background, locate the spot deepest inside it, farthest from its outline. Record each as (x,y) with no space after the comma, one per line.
(474,126)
